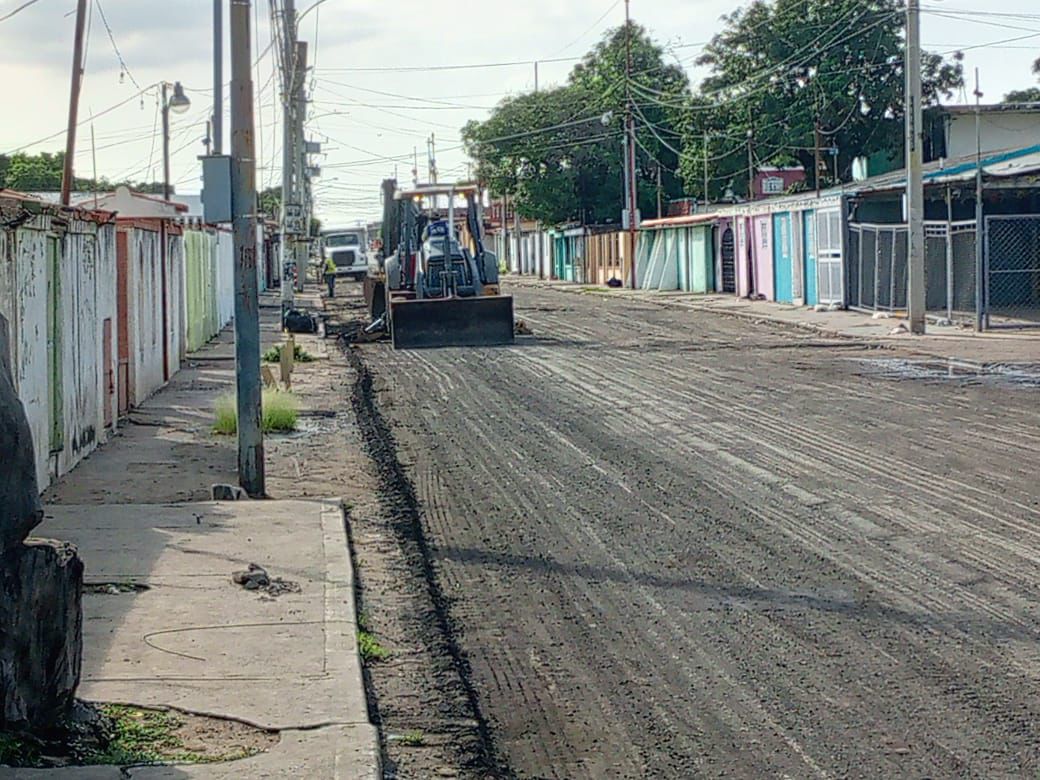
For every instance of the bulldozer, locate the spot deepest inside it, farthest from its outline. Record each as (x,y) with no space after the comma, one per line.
(434,285)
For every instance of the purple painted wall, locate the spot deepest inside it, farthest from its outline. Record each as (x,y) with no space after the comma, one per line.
(762,251)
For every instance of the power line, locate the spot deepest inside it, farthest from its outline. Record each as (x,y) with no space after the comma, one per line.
(115,46)
(22,7)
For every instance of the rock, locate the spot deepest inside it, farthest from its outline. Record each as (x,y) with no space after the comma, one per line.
(227,493)
(20,508)
(41,634)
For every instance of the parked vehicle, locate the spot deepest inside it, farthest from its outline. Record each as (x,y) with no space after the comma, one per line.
(348,250)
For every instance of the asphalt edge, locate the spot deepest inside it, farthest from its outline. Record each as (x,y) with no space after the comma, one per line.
(341,645)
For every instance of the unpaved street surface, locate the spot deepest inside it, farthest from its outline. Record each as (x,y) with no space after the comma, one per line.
(666,544)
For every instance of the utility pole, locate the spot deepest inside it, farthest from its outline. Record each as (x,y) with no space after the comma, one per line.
(218,77)
(750,166)
(285,247)
(981,304)
(247,304)
(915,173)
(302,244)
(77,83)
(630,126)
(707,200)
(536,75)
(816,154)
(658,190)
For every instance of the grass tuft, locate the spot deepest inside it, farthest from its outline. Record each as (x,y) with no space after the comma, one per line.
(300,355)
(280,413)
(370,649)
(413,738)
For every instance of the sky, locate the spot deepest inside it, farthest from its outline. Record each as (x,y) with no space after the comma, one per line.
(367,134)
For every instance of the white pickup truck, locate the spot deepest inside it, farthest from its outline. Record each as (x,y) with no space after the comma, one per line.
(348,249)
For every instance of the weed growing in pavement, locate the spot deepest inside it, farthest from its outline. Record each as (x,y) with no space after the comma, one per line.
(370,649)
(300,355)
(280,413)
(413,738)
(143,736)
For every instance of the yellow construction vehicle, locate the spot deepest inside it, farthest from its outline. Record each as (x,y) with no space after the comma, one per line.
(436,284)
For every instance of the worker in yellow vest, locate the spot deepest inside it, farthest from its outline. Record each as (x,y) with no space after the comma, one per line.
(330,276)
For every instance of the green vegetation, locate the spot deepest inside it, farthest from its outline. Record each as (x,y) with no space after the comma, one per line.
(142,736)
(369,648)
(300,355)
(16,751)
(413,738)
(43,172)
(776,70)
(280,413)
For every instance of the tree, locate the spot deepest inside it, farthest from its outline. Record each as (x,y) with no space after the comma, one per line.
(781,68)
(43,172)
(558,152)
(271,201)
(1031,95)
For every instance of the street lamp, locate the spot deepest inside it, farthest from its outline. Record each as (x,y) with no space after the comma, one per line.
(178,103)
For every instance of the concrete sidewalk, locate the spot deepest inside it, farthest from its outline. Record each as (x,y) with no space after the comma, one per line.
(197,642)
(192,639)
(941,342)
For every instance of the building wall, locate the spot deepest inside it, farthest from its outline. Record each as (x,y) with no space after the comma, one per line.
(84,289)
(1000,130)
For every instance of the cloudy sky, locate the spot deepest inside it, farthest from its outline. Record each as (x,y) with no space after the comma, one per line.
(367,119)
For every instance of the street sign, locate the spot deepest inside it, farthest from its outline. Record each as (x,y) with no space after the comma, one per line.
(294,218)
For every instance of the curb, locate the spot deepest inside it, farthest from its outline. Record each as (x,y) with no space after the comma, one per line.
(341,648)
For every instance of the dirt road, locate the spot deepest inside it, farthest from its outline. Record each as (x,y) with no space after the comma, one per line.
(666,544)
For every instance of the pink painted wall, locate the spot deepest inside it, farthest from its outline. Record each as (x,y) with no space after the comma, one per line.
(762,252)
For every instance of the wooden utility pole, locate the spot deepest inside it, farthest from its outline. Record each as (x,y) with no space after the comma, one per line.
(247,303)
(981,304)
(218,77)
(916,302)
(658,190)
(77,83)
(166,142)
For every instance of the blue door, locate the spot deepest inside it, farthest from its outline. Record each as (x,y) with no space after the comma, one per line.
(782,272)
(809,242)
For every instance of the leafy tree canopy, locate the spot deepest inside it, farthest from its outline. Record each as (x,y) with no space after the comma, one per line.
(780,67)
(559,152)
(1031,95)
(42,173)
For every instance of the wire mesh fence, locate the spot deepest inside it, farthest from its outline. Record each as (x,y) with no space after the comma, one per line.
(878,275)
(1012,261)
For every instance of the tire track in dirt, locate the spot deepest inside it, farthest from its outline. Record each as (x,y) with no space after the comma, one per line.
(626,553)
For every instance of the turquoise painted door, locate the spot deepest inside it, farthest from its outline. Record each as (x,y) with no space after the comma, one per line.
(809,242)
(559,255)
(782,272)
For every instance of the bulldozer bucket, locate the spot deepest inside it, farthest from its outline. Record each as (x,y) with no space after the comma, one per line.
(452,322)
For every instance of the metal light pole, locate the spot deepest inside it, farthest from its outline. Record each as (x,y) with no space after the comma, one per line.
(916,302)
(218,77)
(178,103)
(247,304)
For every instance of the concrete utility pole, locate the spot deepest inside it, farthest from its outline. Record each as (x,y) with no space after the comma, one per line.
(914,170)
(286,248)
(247,303)
(750,166)
(707,200)
(981,317)
(816,154)
(217,134)
(630,127)
(302,245)
(77,82)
